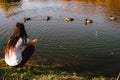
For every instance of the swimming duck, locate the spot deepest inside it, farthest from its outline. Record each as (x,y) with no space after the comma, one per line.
(69,19)
(112,18)
(26,19)
(88,21)
(47,18)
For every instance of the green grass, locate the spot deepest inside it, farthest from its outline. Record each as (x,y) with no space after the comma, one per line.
(39,73)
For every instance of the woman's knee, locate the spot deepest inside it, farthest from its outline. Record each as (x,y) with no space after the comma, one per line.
(31,47)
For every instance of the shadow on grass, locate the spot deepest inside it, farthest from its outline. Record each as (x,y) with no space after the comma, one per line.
(56,71)
(88,71)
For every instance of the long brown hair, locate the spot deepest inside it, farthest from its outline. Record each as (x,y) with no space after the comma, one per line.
(19,31)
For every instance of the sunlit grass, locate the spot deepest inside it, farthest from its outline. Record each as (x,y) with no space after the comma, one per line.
(39,73)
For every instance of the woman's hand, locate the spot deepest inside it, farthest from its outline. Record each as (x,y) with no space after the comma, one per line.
(35,41)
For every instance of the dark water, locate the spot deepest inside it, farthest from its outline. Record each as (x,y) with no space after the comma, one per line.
(95,46)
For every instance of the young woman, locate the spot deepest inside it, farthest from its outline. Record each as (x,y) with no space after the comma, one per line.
(18,47)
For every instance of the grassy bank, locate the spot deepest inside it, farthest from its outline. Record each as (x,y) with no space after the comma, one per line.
(43,73)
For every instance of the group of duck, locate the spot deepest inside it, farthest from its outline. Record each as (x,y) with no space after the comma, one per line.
(68,19)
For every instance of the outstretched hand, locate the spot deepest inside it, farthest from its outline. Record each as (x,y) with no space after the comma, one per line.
(35,41)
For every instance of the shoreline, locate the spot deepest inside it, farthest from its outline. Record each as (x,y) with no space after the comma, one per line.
(42,72)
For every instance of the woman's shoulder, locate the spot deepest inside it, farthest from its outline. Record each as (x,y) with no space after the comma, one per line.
(20,39)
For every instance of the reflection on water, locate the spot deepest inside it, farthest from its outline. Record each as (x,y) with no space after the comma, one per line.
(96,7)
(9,1)
(8,4)
(94,46)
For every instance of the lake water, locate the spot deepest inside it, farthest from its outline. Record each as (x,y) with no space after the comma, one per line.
(94,46)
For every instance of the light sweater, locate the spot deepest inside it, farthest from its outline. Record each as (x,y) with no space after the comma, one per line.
(15,56)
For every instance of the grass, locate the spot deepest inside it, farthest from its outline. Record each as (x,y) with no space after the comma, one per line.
(43,73)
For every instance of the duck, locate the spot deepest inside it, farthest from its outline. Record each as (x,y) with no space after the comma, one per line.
(47,18)
(88,21)
(112,18)
(26,19)
(69,19)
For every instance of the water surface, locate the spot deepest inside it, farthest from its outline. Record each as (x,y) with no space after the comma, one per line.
(95,46)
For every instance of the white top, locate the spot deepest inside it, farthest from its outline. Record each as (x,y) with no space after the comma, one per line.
(15,56)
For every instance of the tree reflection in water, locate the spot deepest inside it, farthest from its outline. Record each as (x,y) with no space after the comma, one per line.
(6,5)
